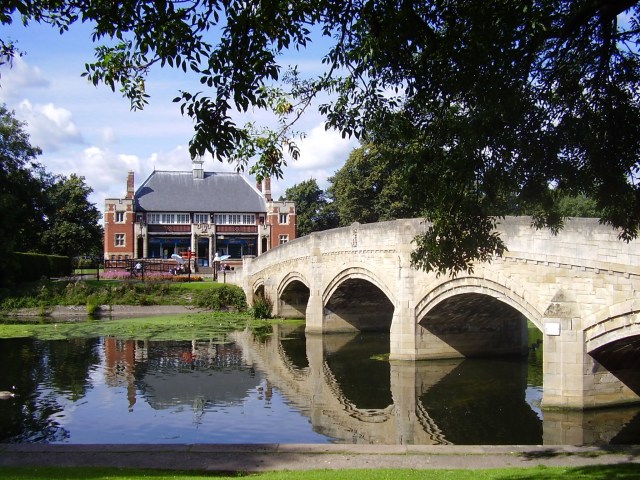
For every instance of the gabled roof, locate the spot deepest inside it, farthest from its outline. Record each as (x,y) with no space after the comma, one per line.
(181,192)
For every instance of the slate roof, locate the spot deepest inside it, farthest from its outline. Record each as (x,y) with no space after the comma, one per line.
(216,192)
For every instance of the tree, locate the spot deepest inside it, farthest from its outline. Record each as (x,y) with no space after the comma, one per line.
(20,192)
(370,187)
(313,212)
(41,212)
(72,221)
(485,102)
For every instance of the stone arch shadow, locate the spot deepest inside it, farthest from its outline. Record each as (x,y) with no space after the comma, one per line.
(612,339)
(473,317)
(293,295)
(257,290)
(356,299)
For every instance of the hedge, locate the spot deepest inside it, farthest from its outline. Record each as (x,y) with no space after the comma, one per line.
(33,266)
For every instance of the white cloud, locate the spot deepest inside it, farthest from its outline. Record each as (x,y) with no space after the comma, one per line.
(322,153)
(50,127)
(323,149)
(17,77)
(108,136)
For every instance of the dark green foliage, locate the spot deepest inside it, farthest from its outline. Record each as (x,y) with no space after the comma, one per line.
(33,266)
(41,212)
(262,308)
(221,296)
(313,212)
(71,226)
(370,187)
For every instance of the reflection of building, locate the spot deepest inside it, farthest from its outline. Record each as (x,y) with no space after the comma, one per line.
(120,358)
(197,211)
(173,373)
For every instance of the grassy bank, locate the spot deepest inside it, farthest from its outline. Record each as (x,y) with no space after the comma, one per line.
(93,293)
(600,472)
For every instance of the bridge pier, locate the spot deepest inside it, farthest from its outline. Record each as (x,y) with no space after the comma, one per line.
(572,378)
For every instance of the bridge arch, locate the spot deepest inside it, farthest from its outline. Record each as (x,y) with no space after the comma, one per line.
(290,277)
(471,317)
(293,295)
(357,299)
(612,324)
(355,272)
(257,290)
(481,286)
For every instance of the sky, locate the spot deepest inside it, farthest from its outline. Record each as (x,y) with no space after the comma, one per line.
(91,131)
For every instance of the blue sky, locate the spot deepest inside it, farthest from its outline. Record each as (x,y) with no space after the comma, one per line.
(91,131)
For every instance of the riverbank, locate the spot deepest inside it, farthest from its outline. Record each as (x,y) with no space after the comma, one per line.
(120,311)
(279,457)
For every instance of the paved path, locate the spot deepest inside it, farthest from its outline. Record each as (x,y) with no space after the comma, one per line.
(256,458)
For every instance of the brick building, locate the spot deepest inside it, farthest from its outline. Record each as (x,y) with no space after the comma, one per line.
(202,212)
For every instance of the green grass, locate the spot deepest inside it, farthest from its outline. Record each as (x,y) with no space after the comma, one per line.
(599,472)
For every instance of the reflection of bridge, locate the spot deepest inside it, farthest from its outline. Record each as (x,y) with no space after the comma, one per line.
(406,420)
(330,411)
(580,288)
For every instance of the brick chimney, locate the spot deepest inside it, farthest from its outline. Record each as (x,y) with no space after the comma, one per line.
(267,189)
(130,185)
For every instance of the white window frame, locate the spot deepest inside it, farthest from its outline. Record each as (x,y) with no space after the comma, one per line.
(283,218)
(120,240)
(235,218)
(120,216)
(282,239)
(199,218)
(183,218)
(168,218)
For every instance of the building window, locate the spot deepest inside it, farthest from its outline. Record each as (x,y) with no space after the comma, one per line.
(120,217)
(119,240)
(168,218)
(235,219)
(284,218)
(284,239)
(201,218)
(139,217)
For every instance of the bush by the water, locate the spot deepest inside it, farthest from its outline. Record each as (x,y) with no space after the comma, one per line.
(220,296)
(262,308)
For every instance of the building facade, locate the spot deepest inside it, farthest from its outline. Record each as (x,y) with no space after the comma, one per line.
(199,212)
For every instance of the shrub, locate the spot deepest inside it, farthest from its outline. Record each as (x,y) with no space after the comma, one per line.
(262,308)
(93,304)
(220,296)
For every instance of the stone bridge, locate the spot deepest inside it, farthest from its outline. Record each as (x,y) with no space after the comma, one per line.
(580,288)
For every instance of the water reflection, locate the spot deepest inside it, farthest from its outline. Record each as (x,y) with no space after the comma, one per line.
(281,387)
